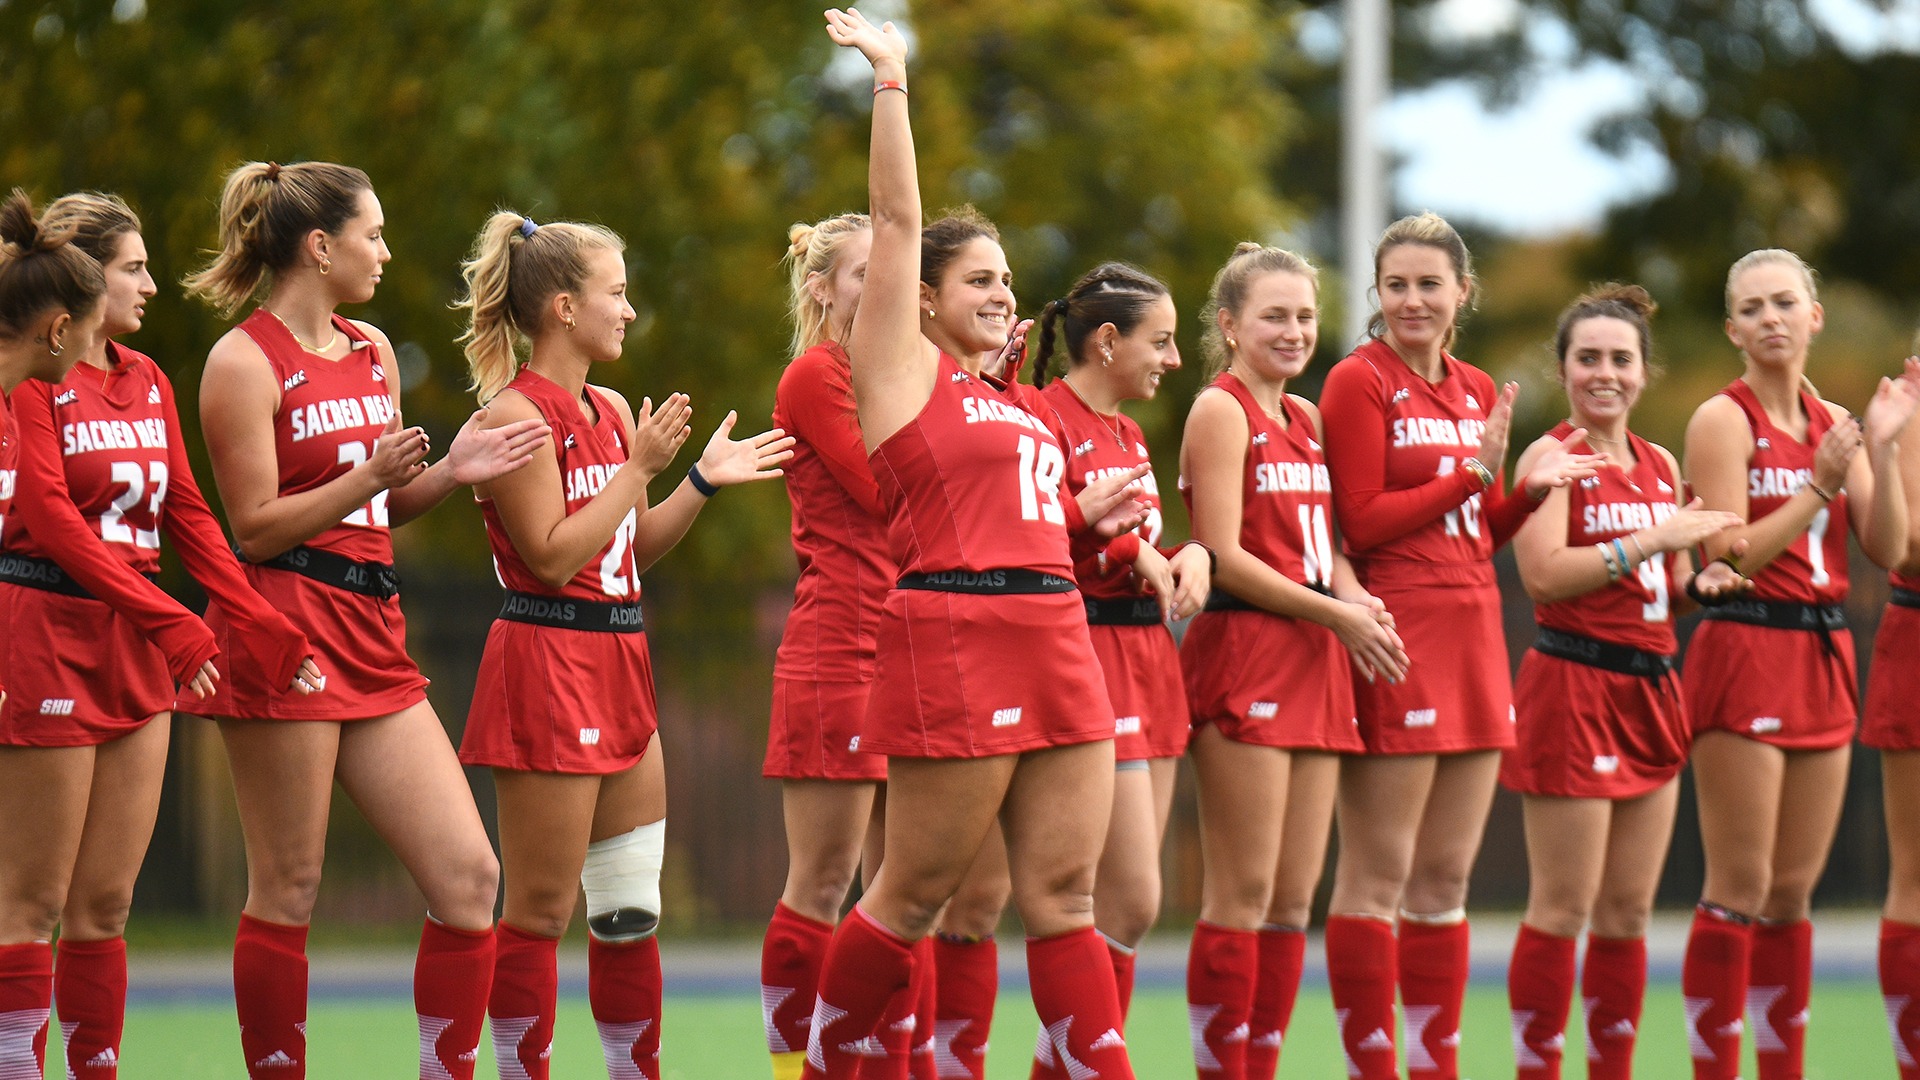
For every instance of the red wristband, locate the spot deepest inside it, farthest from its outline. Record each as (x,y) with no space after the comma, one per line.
(889,84)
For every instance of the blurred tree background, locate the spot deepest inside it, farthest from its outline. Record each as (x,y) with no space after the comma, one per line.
(1157,131)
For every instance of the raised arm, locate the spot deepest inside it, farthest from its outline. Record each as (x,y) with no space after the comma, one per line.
(893,367)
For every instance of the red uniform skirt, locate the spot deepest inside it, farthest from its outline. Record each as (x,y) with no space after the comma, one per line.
(77,672)
(1583,732)
(1780,687)
(1270,680)
(560,701)
(960,675)
(1892,720)
(815,732)
(1142,668)
(1456,696)
(360,644)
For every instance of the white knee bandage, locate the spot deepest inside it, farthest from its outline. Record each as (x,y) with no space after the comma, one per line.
(1450,917)
(622,881)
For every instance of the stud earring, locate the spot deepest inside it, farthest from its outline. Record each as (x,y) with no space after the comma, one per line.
(569,325)
(929,313)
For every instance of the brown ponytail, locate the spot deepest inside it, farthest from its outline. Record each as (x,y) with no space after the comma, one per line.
(266,211)
(41,271)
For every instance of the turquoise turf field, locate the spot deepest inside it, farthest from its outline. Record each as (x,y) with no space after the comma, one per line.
(713,1037)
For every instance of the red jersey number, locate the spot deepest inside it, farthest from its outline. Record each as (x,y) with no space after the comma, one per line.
(1041,468)
(374,514)
(113,526)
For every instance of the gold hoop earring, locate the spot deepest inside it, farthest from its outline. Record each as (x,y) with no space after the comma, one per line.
(569,325)
(326,265)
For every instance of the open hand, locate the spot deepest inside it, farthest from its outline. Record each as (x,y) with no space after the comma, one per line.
(659,433)
(882,45)
(727,460)
(480,453)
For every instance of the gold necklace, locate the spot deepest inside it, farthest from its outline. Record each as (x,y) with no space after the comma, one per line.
(1113,425)
(332,338)
(1276,412)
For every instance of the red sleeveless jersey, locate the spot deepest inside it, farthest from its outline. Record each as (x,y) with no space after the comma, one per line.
(589,453)
(1636,610)
(114,430)
(973,483)
(839,536)
(1390,432)
(1098,446)
(331,412)
(1286,496)
(1813,568)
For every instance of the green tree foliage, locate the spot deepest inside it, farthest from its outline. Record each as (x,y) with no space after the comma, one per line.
(1143,130)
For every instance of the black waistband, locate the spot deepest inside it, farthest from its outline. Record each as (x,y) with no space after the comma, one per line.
(1128,611)
(1781,615)
(374,579)
(987,581)
(568,614)
(1222,600)
(1604,655)
(46,575)
(1904,597)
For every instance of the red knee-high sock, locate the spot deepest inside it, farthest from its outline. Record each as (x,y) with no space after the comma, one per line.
(1779,984)
(1613,983)
(90,993)
(1900,986)
(1362,970)
(451,976)
(1283,953)
(270,997)
(894,1039)
(866,965)
(1072,983)
(1713,977)
(1222,967)
(1433,986)
(623,989)
(926,995)
(1540,993)
(521,1004)
(26,997)
(968,973)
(790,961)
(1123,960)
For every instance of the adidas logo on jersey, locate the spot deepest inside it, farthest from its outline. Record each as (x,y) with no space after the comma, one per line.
(153,395)
(1764,725)
(1083,448)
(67,397)
(589,736)
(379,372)
(1606,764)
(1422,717)
(57,706)
(1263,710)
(1110,1040)
(1761,443)
(1401,395)
(1260,439)
(277,1060)
(298,378)
(1312,445)
(1006,717)
(1472,402)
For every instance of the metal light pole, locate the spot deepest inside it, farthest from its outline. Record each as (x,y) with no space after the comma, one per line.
(1363,204)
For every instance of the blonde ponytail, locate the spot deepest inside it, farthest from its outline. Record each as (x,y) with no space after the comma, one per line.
(515,267)
(815,249)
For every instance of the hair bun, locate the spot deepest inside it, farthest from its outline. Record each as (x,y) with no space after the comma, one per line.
(18,226)
(799,238)
(1245,247)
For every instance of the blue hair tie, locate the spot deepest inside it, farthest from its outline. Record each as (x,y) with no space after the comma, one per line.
(526,227)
